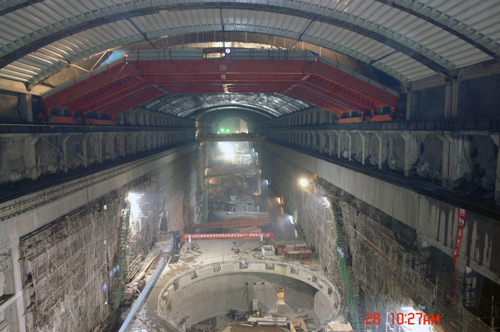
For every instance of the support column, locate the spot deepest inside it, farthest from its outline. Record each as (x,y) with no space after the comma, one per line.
(462,155)
(380,147)
(65,151)
(407,166)
(451,99)
(84,148)
(363,151)
(32,165)
(147,141)
(449,158)
(322,140)
(496,139)
(330,149)
(409,97)
(338,143)
(99,147)
(155,140)
(350,145)
(26,107)
(133,143)
(111,145)
(120,142)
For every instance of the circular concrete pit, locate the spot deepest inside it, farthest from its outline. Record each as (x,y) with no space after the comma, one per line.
(213,289)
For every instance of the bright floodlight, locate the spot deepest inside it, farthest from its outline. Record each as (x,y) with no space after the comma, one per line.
(227,149)
(303,182)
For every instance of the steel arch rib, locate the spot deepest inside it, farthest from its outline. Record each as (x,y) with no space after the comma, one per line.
(479,41)
(46,40)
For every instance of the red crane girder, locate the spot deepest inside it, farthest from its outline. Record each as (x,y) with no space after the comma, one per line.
(129,84)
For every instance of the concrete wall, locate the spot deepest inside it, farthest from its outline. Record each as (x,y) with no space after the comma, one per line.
(393,236)
(167,176)
(434,220)
(27,157)
(228,287)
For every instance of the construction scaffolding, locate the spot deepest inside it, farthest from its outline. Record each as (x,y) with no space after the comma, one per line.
(377,255)
(381,263)
(377,261)
(65,267)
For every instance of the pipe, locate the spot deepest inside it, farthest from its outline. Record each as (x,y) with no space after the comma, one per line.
(143,273)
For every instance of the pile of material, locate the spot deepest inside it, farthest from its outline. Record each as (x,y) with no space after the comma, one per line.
(297,252)
(269,320)
(268,250)
(298,324)
(337,326)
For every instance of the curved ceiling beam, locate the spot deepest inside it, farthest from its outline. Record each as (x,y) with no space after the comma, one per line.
(202,111)
(328,46)
(445,22)
(216,117)
(435,65)
(9,9)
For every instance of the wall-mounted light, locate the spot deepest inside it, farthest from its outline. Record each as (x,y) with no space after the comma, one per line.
(303,182)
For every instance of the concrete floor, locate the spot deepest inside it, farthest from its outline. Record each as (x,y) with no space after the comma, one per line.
(197,253)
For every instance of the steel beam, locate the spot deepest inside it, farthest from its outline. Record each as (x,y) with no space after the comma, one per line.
(346,23)
(117,88)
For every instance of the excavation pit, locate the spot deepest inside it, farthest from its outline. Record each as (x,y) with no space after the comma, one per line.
(211,290)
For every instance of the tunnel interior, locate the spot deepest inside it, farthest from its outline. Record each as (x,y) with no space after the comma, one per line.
(221,166)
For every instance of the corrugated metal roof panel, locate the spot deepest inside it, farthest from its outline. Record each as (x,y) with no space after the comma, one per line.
(473,17)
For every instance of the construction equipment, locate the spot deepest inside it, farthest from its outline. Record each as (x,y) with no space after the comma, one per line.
(237,315)
(303,256)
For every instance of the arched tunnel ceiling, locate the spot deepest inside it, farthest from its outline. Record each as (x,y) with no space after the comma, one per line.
(194,105)
(406,39)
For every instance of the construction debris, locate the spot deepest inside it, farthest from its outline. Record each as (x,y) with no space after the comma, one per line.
(338,326)
(303,256)
(268,250)
(269,320)
(298,323)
